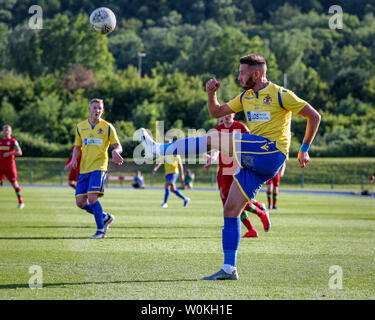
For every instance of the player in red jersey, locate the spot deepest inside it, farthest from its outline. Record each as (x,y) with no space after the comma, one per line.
(74,173)
(273,188)
(227,167)
(9,149)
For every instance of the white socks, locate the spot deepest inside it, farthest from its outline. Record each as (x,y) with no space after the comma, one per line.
(228,268)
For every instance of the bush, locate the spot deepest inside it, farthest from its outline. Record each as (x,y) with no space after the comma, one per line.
(36,146)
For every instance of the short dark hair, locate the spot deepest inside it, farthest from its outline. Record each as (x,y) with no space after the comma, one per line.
(253,60)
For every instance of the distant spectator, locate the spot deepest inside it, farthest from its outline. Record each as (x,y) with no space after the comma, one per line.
(189,179)
(139,181)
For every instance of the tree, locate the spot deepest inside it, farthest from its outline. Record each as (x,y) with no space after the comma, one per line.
(125,45)
(62,43)
(3,45)
(78,77)
(146,114)
(18,90)
(8,114)
(350,81)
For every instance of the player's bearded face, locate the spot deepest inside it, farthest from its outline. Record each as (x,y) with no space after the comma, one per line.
(246,77)
(250,83)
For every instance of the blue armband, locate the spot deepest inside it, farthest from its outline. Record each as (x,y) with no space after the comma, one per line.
(305,147)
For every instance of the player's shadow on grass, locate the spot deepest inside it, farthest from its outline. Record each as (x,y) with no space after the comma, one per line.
(53,285)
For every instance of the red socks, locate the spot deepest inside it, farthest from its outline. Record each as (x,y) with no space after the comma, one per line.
(275,196)
(19,196)
(246,221)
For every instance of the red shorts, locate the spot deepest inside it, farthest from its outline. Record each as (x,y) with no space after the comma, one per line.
(9,171)
(73,175)
(275,180)
(224,182)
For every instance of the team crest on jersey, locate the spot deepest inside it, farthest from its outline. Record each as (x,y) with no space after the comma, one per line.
(100,131)
(267,99)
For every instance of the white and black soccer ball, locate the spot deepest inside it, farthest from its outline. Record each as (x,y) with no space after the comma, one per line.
(103,20)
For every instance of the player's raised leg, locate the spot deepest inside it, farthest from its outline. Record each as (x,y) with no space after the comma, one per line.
(221,141)
(251,231)
(262,214)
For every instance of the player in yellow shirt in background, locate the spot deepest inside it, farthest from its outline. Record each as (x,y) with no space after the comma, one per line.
(268,110)
(172,166)
(93,137)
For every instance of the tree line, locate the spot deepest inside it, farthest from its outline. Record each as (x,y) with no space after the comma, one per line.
(48,76)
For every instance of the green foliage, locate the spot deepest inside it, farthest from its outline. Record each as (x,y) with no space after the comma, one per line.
(18,90)
(48,76)
(62,42)
(36,145)
(8,115)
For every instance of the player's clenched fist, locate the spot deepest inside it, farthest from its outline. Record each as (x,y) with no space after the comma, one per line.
(212,85)
(303,158)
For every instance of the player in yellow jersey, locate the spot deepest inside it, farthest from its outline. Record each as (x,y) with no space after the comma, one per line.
(268,110)
(93,137)
(172,166)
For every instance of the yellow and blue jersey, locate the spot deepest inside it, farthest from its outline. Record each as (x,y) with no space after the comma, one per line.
(170,163)
(95,141)
(268,112)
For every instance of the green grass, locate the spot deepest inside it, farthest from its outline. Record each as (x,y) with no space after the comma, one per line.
(153,253)
(346,174)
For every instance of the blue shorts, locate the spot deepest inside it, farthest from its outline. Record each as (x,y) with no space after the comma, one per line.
(91,182)
(171,178)
(259,161)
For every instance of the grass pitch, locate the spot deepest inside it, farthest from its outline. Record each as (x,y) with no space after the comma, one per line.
(161,254)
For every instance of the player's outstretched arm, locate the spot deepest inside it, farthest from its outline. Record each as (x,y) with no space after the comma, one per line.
(313,120)
(216,110)
(156,168)
(211,159)
(116,154)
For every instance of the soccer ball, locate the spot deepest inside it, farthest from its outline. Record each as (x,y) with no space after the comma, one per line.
(103,20)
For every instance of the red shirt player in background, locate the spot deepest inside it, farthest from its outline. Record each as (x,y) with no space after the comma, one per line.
(273,188)
(74,173)
(9,149)
(227,167)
